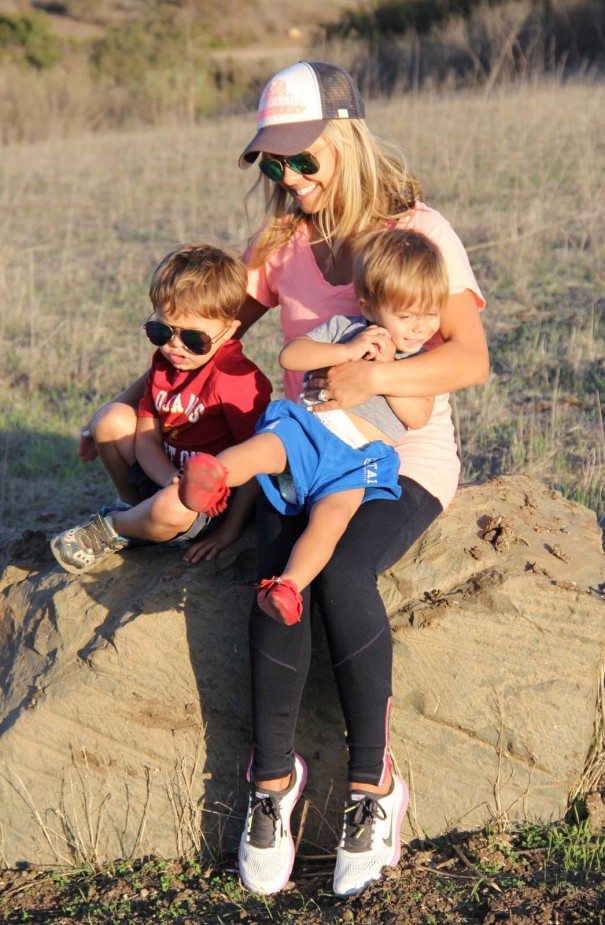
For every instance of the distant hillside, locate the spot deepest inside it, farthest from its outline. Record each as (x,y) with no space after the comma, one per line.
(83,65)
(245,22)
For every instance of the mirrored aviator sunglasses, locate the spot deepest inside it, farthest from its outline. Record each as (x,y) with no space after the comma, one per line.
(274,167)
(197,342)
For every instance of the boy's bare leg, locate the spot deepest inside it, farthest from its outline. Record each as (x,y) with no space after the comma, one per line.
(328,520)
(279,595)
(158,518)
(262,454)
(113,428)
(207,480)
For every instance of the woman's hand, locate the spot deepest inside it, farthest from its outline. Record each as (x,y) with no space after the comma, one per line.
(343,386)
(238,515)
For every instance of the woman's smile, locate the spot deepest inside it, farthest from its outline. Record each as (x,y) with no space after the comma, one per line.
(301,192)
(308,191)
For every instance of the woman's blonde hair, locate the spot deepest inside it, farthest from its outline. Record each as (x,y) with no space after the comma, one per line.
(397,267)
(199,279)
(372,185)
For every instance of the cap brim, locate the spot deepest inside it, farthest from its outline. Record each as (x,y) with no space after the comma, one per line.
(282,139)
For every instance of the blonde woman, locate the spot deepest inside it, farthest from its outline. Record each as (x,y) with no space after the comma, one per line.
(327,179)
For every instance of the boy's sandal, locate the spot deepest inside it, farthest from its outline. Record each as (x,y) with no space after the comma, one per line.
(280,598)
(203,486)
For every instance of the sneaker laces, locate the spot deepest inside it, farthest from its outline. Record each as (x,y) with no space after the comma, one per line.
(263,819)
(96,535)
(359,823)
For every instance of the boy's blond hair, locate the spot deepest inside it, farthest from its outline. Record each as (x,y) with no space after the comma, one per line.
(199,279)
(394,267)
(371,185)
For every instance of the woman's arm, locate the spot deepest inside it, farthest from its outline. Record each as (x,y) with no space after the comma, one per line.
(460,361)
(249,314)
(133,393)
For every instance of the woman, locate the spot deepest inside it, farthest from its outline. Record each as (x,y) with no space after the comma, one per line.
(328,178)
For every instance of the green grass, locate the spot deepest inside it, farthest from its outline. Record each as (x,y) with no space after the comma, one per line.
(536,869)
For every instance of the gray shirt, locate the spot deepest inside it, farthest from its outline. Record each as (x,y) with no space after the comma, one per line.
(340,329)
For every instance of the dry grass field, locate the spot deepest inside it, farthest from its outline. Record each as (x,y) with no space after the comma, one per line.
(520,173)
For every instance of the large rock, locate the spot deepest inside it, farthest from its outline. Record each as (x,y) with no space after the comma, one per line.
(125,708)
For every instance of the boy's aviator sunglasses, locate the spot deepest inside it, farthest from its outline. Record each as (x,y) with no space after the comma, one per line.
(274,166)
(197,342)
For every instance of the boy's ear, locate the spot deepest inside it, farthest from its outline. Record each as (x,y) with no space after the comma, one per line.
(235,324)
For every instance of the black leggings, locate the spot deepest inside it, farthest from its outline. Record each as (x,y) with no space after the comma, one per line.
(357,630)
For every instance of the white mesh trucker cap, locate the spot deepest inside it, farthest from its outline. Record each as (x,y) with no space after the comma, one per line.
(297,103)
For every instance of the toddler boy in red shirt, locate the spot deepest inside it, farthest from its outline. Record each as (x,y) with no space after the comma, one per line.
(202,395)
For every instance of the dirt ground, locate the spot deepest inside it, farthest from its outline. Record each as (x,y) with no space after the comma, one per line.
(534,877)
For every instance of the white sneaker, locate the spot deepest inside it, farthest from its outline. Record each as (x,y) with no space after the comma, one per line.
(81,548)
(370,837)
(266,850)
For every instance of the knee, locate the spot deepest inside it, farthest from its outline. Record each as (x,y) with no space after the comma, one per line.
(112,422)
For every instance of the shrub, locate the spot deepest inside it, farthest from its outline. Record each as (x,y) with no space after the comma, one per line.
(28,37)
(403,44)
(390,18)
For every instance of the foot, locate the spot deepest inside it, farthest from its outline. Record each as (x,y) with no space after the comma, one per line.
(370,837)
(280,599)
(203,487)
(79,549)
(266,851)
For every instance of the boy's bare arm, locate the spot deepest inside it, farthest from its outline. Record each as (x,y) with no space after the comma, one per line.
(304,353)
(133,393)
(239,513)
(413,412)
(150,453)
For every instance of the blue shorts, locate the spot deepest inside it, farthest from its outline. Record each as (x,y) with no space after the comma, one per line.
(321,464)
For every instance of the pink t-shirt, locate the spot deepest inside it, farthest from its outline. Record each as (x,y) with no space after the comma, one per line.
(291,279)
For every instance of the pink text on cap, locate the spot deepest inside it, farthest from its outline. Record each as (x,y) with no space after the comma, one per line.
(294,93)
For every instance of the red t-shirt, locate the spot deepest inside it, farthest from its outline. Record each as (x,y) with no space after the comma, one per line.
(208,409)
